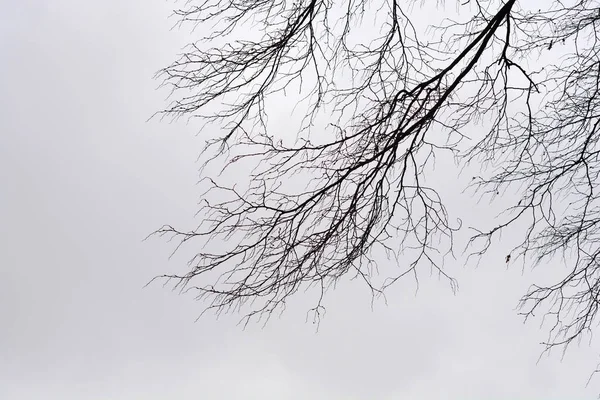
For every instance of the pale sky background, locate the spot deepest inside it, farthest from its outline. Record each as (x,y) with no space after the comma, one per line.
(85,179)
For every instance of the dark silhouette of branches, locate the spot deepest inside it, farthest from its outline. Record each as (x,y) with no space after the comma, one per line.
(307,211)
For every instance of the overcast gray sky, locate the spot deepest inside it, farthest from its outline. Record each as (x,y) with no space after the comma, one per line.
(85,179)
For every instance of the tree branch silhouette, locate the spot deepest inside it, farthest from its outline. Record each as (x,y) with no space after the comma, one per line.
(393,98)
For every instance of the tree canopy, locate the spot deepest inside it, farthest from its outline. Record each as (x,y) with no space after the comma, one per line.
(509,86)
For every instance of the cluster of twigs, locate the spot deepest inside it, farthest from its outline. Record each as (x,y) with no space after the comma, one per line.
(392,102)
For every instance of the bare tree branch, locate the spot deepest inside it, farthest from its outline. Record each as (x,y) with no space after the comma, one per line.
(393,98)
